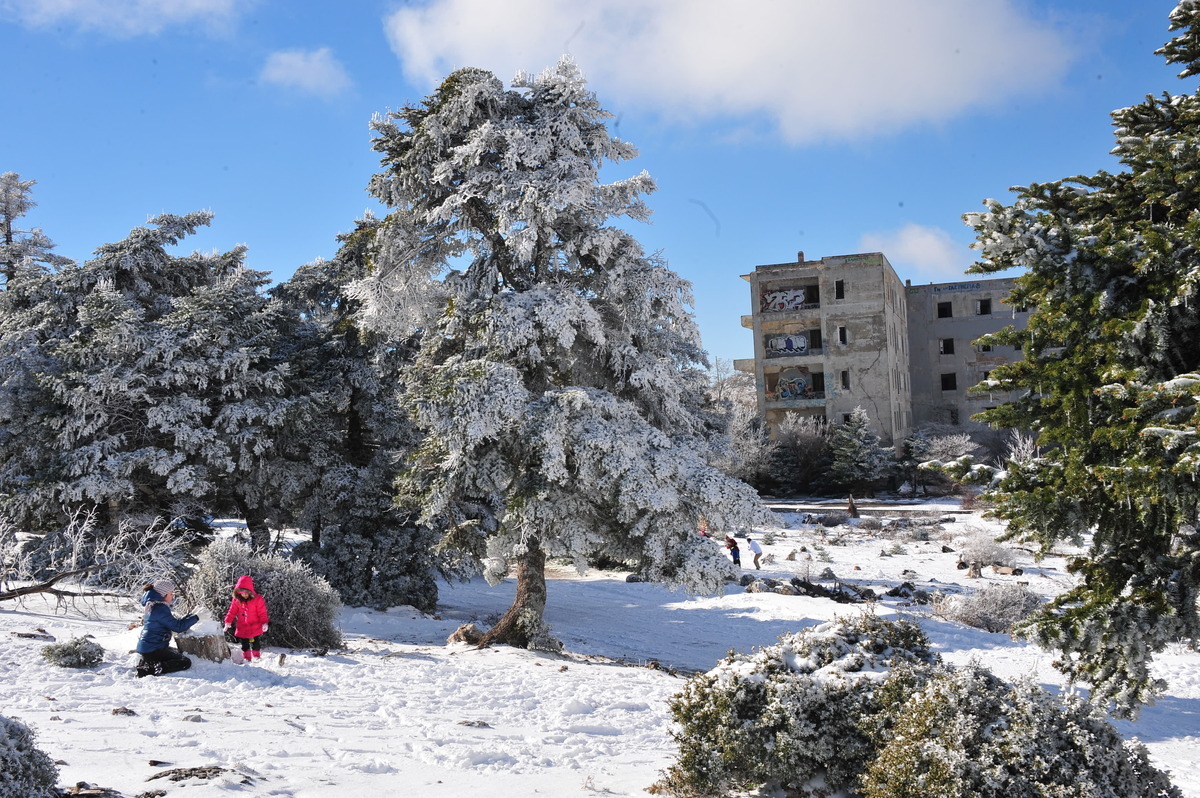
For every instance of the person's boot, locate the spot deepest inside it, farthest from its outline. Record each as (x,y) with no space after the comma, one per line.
(256,654)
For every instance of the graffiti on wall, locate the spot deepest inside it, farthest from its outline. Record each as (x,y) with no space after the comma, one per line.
(794,383)
(787,344)
(791,299)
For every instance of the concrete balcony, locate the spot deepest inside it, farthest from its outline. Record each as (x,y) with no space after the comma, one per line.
(745,364)
(814,399)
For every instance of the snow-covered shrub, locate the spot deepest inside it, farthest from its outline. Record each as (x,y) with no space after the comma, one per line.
(832,519)
(996,608)
(981,547)
(788,713)
(25,770)
(957,732)
(870,524)
(861,708)
(302,605)
(78,652)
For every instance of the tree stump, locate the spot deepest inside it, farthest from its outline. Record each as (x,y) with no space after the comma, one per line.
(212,647)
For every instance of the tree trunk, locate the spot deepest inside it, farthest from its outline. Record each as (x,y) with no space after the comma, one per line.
(256,525)
(211,647)
(523,625)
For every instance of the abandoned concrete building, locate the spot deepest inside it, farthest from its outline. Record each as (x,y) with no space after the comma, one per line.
(844,331)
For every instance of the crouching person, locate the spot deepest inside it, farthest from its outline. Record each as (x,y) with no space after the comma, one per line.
(158,624)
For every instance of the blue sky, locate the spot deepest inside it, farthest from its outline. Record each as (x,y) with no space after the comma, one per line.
(771,126)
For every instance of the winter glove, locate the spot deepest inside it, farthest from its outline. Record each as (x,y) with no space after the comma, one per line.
(266,626)
(228,626)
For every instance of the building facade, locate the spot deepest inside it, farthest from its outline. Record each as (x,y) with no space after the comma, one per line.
(842,332)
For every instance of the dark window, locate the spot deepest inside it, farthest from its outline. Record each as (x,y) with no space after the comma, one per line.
(984,308)
(842,336)
(818,382)
(845,418)
(947,346)
(845,380)
(814,339)
(945,310)
(985,347)
(839,289)
(954,416)
(985,375)
(950,382)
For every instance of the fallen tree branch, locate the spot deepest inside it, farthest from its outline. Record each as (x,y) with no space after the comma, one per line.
(48,585)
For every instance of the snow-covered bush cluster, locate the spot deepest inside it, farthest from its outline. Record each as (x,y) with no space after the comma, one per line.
(861,707)
(25,770)
(995,608)
(78,652)
(982,547)
(302,605)
(964,731)
(790,713)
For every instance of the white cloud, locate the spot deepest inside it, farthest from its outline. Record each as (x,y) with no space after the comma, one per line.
(815,70)
(124,17)
(315,71)
(921,254)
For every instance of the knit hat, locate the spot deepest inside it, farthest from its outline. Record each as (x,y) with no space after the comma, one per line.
(163,587)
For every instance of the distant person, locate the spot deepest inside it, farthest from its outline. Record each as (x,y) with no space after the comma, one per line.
(248,617)
(158,624)
(755,549)
(734,551)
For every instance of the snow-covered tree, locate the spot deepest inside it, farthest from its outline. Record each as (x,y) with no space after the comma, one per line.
(1110,378)
(140,385)
(560,386)
(858,459)
(22,249)
(349,444)
(751,450)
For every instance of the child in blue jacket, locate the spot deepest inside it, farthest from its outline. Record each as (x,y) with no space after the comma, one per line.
(158,624)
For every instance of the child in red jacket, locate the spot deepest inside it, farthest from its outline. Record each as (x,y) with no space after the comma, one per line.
(248,616)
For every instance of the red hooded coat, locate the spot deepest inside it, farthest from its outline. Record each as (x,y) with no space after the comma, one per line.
(250,616)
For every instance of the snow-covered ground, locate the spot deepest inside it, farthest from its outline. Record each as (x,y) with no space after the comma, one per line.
(398,709)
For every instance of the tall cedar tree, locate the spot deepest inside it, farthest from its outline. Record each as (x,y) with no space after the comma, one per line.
(22,250)
(559,384)
(140,385)
(351,439)
(1110,380)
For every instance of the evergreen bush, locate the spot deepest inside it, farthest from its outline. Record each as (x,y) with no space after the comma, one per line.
(25,770)
(788,713)
(861,708)
(957,732)
(302,605)
(79,652)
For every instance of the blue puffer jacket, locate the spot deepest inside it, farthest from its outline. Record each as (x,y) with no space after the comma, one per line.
(158,623)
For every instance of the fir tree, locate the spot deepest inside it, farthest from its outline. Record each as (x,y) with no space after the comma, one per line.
(1110,380)
(560,386)
(21,250)
(140,385)
(347,447)
(858,459)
